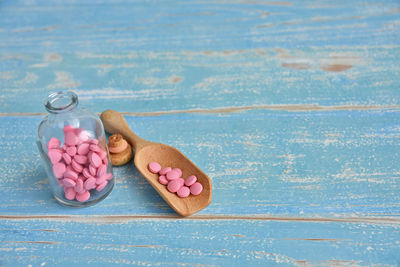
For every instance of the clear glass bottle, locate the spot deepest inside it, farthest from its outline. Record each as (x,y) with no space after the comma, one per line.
(73,147)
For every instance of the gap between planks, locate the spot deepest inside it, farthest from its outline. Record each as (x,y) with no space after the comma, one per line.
(127,218)
(289,108)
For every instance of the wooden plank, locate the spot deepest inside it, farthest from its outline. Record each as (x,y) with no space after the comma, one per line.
(262,163)
(187,81)
(197,242)
(200,54)
(176,25)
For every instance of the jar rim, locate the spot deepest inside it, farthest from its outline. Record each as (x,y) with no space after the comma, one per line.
(61,101)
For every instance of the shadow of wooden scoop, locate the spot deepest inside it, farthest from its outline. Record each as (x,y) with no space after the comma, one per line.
(146,152)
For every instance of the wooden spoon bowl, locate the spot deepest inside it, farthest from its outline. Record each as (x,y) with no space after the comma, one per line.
(146,152)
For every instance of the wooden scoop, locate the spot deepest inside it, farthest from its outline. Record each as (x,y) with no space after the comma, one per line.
(146,152)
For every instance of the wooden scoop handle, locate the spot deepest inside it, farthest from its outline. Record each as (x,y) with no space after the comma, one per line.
(115,123)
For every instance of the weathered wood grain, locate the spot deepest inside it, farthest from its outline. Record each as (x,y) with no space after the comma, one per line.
(182,81)
(188,242)
(270,163)
(291,107)
(173,55)
(94,26)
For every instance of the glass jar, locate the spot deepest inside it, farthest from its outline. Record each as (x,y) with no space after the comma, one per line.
(73,146)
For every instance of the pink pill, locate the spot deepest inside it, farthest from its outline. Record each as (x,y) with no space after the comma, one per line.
(190,180)
(69,168)
(69,182)
(196,188)
(109,176)
(86,173)
(69,193)
(60,181)
(92,170)
(79,186)
(178,170)
(64,148)
(165,170)
(105,161)
(82,197)
(55,155)
(95,148)
(59,169)
(66,158)
(76,166)
(68,128)
(184,191)
(53,143)
(103,154)
(83,135)
(172,175)
(162,180)
(94,141)
(81,159)
(71,150)
(101,170)
(101,186)
(83,178)
(101,179)
(70,138)
(174,185)
(83,149)
(71,175)
(90,183)
(94,159)
(181,181)
(154,167)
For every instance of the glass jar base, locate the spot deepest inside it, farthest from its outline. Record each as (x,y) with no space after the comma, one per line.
(76,204)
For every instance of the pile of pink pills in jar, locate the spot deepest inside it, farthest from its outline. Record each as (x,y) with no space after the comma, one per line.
(172,178)
(80,165)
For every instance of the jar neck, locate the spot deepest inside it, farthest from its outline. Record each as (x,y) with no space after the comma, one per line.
(60,102)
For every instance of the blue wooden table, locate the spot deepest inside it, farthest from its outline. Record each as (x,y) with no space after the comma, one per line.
(291,107)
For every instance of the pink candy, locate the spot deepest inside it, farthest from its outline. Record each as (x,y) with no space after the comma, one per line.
(71,150)
(70,138)
(154,167)
(71,175)
(59,169)
(165,170)
(172,178)
(190,180)
(179,171)
(184,191)
(69,193)
(172,175)
(101,186)
(82,197)
(162,180)
(94,159)
(90,183)
(83,149)
(53,143)
(55,155)
(81,159)
(79,186)
(173,186)
(79,165)
(67,158)
(196,188)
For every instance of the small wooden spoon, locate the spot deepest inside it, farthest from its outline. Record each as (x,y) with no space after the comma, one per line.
(146,152)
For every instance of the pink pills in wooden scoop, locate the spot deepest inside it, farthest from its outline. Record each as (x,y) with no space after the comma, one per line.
(172,178)
(79,165)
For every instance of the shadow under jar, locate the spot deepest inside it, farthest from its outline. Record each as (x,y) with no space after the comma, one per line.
(73,147)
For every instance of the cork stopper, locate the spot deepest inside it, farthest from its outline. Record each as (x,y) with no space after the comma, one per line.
(116,140)
(120,151)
